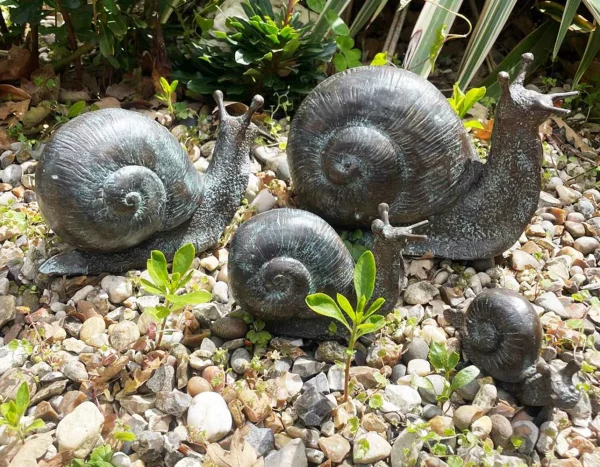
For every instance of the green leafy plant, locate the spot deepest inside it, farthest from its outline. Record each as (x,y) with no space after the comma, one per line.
(352,240)
(362,322)
(100,457)
(462,103)
(166,285)
(270,51)
(168,91)
(445,363)
(258,335)
(13,411)
(22,344)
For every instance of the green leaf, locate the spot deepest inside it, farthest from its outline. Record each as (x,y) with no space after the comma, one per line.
(453,359)
(376,305)
(174,86)
(182,261)
(22,399)
(339,62)
(592,50)
(324,305)
(472,96)
(125,436)
(345,304)
(150,287)
(380,59)
(158,313)
(316,5)
(569,13)
(464,377)
(157,268)
(35,425)
(372,324)
(473,124)
(376,401)
(421,382)
(192,298)
(368,12)
(438,356)
(364,275)
(106,41)
(337,24)
(344,42)
(164,84)
(76,109)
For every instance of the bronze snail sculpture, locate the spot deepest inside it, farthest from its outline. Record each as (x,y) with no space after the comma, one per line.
(502,334)
(117,185)
(373,135)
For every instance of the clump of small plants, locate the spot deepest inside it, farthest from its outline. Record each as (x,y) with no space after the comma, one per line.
(362,320)
(166,285)
(13,411)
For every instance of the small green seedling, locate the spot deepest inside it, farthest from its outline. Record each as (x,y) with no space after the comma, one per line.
(462,103)
(258,336)
(446,363)
(166,96)
(166,285)
(13,411)
(363,322)
(100,457)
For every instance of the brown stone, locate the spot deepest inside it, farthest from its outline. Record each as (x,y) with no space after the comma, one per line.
(336,448)
(70,401)
(197,384)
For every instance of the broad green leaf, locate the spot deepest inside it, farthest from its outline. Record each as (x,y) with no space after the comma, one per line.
(157,268)
(567,18)
(124,436)
(182,261)
(453,359)
(492,19)
(464,377)
(150,287)
(22,399)
(35,425)
(339,62)
(421,382)
(592,50)
(344,42)
(594,7)
(76,109)
(473,124)
(372,324)
(376,401)
(157,313)
(5,408)
(322,26)
(345,304)
(368,12)
(316,5)
(438,356)
(360,307)
(472,96)
(424,45)
(324,305)
(364,275)
(192,298)
(174,86)
(337,24)
(376,305)
(164,84)
(185,279)
(380,59)
(106,41)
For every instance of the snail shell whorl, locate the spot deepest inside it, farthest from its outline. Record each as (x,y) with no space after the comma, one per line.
(111,178)
(279,257)
(503,334)
(378,134)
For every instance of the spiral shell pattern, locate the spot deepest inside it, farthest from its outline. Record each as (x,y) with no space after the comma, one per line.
(375,135)
(111,178)
(503,334)
(279,257)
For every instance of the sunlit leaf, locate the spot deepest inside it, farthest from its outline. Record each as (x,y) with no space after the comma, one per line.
(324,305)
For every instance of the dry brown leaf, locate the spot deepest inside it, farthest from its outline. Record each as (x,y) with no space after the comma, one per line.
(241,454)
(485,134)
(13,108)
(5,142)
(573,137)
(139,378)
(18,64)
(12,93)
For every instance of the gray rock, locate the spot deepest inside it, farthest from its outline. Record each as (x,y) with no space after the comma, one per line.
(261,439)
(420,293)
(430,411)
(528,433)
(11,359)
(398,372)
(378,448)
(240,361)
(75,371)
(189,462)
(469,391)
(319,383)
(12,174)
(293,454)
(315,456)
(118,288)
(137,403)
(313,407)
(486,398)
(229,328)
(8,309)
(330,352)
(220,292)
(307,367)
(418,348)
(335,378)
(405,398)
(149,446)
(123,335)
(174,403)
(550,302)
(163,379)
(581,414)
(545,442)
(406,448)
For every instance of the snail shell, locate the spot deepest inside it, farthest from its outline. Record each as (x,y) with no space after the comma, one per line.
(373,135)
(279,257)
(109,179)
(502,334)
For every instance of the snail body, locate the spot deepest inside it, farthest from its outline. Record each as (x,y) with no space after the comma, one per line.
(279,257)
(117,185)
(381,134)
(502,334)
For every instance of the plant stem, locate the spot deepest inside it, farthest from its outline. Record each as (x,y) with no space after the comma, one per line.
(348,363)
(161,332)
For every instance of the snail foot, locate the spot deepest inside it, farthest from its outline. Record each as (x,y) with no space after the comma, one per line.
(72,263)
(382,227)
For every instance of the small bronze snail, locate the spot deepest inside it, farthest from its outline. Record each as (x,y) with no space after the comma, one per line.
(373,135)
(116,185)
(502,334)
(279,257)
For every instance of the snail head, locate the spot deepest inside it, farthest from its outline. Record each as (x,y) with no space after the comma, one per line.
(238,127)
(526,104)
(559,383)
(383,229)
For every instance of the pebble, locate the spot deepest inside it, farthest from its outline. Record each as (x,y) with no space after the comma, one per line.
(377,448)
(418,367)
(486,398)
(307,367)
(173,402)
(405,398)
(91,328)
(209,413)
(586,245)
(80,430)
(465,415)
(567,195)
(240,361)
(420,293)
(406,449)
(196,385)
(124,334)
(149,446)
(528,433)
(118,288)
(75,371)
(8,309)
(261,439)
(313,407)
(522,261)
(293,454)
(417,349)
(336,448)
(163,379)
(228,328)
